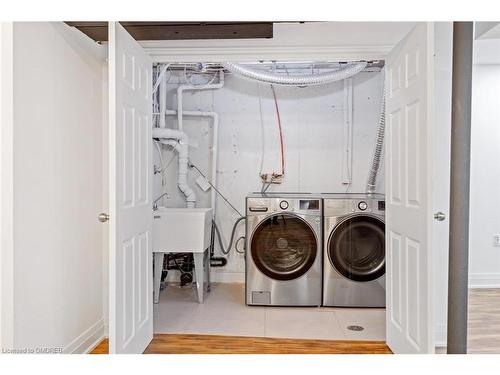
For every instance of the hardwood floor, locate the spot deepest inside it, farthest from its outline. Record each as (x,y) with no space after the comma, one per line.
(207,344)
(484,321)
(102,348)
(483,331)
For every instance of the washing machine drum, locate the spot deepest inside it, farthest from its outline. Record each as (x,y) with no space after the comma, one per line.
(284,247)
(356,248)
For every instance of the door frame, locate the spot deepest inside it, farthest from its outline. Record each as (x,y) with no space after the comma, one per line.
(193,53)
(6,185)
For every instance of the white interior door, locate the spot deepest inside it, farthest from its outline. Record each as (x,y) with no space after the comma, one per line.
(131,281)
(409,216)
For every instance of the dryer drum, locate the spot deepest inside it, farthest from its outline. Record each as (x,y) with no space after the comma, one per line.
(284,247)
(356,248)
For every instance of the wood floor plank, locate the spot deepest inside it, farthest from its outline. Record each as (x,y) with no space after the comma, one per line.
(484,321)
(102,348)
(211,344)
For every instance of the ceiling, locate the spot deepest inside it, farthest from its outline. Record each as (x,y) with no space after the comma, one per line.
(487,30)
(98,31)
(292,41)
(254,41)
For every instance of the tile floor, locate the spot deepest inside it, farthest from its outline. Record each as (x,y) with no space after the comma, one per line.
(225,313)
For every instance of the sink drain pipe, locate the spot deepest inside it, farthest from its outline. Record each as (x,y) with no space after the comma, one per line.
(179,141)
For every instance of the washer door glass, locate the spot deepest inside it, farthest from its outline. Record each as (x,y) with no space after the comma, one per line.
(284,247)
(356,248)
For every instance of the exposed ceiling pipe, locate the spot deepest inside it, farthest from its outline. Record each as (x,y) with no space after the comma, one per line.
(182,88)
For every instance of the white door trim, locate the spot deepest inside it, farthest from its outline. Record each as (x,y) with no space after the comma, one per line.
(219,52)
(311,41)
(6,185)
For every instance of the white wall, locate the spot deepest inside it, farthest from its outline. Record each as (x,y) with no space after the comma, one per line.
(58,260)
(484,258)
(312,121)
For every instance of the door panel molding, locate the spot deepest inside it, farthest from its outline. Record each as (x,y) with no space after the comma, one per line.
(130,76)
(409,219)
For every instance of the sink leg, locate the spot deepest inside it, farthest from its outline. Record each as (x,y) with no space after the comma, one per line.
(158,268)
(199,273)
(207,268)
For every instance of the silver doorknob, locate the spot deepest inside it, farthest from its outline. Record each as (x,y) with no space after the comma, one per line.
(103,217)
(439,216)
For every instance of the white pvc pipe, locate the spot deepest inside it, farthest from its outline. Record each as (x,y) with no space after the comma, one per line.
(162,98)
(183,88)
(160,77)
(169,136)
(215,143)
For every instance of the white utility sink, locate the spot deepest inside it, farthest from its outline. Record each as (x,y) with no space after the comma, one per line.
(181,230)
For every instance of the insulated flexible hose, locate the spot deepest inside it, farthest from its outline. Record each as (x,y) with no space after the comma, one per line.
(219,238)
(299,80)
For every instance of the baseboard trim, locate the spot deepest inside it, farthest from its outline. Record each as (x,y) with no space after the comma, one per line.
(484,280)
(106,328)
(88,340)
(441,336)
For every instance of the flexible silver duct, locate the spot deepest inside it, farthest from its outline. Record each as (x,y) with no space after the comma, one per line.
(377,152)
(299,80)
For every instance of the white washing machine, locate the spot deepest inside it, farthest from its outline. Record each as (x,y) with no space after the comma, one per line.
(284,249)
(354,250)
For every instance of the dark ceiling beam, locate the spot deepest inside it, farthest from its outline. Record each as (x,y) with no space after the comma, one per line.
(98,31)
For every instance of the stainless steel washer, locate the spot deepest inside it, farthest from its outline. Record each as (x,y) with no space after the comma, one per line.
(354,250)
(284,249)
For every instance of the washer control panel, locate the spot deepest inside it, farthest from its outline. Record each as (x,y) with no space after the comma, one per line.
(309,204)
(299,205)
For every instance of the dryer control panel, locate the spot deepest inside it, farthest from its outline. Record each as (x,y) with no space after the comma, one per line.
(350,205)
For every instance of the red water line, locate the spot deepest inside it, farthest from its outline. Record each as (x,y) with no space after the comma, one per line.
(281,132)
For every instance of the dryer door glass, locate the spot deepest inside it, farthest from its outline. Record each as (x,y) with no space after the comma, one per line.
(356,248)
(284,247)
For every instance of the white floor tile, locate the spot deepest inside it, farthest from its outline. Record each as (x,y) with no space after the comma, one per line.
(248,321)
(302,323)
(372,320)
(175,310)
(225,313)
